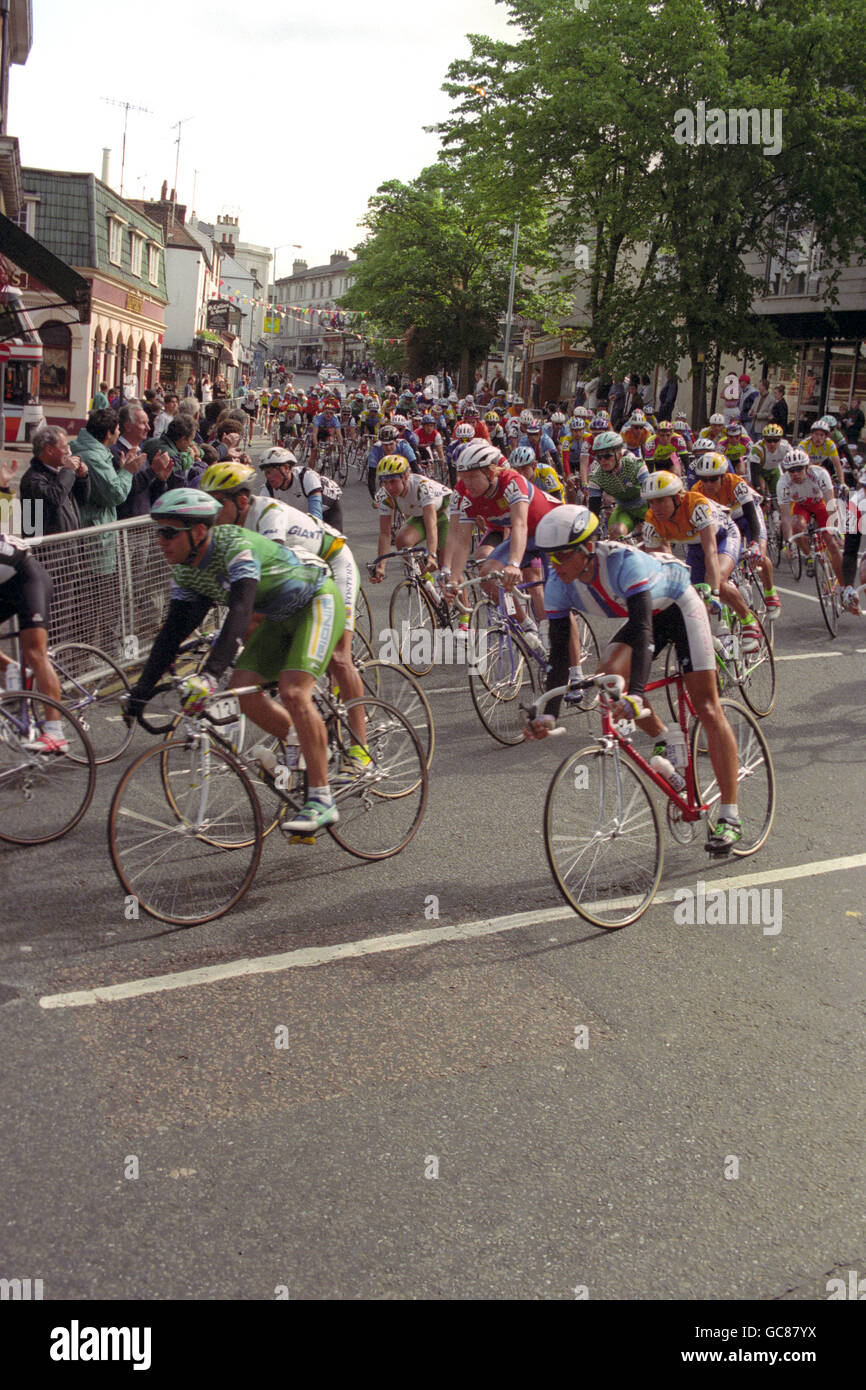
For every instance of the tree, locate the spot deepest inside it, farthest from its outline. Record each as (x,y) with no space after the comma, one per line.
(436,264)
(591,103)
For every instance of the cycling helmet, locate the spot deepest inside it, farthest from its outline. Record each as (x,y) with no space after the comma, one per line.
(387,434)
(427,420)
(798,458)
(581,412)
(772,432)
(681,419)
(479,454)
(825,423)
(491,418)
(522,456)
(599,422)
(664,425)
(513,427)
(735,427)
(638,419)
(227,477)
(525,417)
(453,396)
(392,466)
(464,432)
(608,439)
(276,458)
(660,484)
(710,465)
(400,422)
(187,504)
(472,412)
(704,446)
(557,418)
(717,419)
(565,528)
(534,427)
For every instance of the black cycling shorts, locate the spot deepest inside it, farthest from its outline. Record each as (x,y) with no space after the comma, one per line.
(27,595)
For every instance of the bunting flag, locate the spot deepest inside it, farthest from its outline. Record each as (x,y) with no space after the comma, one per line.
(338,321)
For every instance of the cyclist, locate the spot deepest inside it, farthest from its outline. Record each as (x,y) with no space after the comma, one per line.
(854,531)
(621,475)
(232,485)
(523,461)
(665,449)
(321,496)
(326,430)
(656,597)
(388,444)
(636,433)
(717,479)
(736,445)
(488,490)
(711,539)
(682,426)
(25,593)
(430,444)
(715,429)
(805,491)
(766,457)
(302,620)
(820,449)
(423,503)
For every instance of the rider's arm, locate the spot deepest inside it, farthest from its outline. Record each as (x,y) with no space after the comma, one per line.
(429,516)
(184,615)
(314,504)
(638,634)
(242,594)
(750,512)
(384,534)
(560,632)
(711,557)
(519,532)
(593,501)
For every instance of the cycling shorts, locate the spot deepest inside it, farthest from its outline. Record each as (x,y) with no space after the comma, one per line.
(27,595)
(809,507)
(492,538)
(686,624)
(442,524)
(531,556)
(728,542)
(624,516)
(304,642)
(348,581)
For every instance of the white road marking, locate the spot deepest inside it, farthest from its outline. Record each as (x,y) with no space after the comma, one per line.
(797,593)
(808,656)
(429,936)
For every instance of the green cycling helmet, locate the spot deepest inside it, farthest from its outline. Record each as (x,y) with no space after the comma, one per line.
(187,504)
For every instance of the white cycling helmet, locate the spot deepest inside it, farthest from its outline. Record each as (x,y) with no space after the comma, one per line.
(717,419)
(557,418)
(526,417)
(464,431)
(565,528)
(710,465)
(522,456)
(480,454)
(277,458)
(662,484)
(798,458)
(825,424)
(704,445)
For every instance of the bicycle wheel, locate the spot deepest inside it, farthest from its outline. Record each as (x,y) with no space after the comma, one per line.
(395,686)
(505,677)
(65,780)
(826,584)
(364,614)
(756,675)
(241,736)
(774,539)
(92,686)
(190,860)
(413,622)
(603,838)
(756,790)
(794,559)
(589,657)
(341,471)
(382,806)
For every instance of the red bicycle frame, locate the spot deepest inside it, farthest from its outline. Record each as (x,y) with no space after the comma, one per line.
(689,807)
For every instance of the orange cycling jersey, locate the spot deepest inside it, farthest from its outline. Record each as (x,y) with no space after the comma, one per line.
(733,492)
(693,514)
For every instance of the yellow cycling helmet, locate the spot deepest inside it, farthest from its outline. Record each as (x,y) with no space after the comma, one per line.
(227,477)
(772,432)
(391,466)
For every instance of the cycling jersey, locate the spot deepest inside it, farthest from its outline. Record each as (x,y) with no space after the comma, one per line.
(509,488)
(305,535)
(813,487)
(636,438)
(549,480)
(325,421)
(694,513)
(25,587)
(733,492)
(429,439)
(769,463)
(660,450)
(285,582)
(821,454)
(624,485)
(621,571)
(14,555)
(421,492)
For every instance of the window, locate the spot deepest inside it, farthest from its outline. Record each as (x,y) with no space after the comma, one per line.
(26,218)
(56,361)
(115,230)
(136,242)
(153,264)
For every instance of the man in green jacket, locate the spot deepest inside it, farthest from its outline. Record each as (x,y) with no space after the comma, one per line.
(95,591)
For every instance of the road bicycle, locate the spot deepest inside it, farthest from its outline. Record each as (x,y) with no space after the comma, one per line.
(751,675)
(186,829)
(828,586)
(504,666)
(417,608)
(602,832)
(93,688)
(747,578)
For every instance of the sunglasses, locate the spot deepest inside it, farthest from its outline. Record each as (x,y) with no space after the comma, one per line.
(799,469)
(605,454)
(169,533)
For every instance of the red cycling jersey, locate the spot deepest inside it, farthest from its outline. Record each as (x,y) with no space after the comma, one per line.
(510,487)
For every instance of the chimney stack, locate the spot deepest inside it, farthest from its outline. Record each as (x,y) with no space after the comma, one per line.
(106,166)
(163,192)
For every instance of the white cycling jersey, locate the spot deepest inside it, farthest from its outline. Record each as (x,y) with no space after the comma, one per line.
(305,481)
(813,487)
(306,535)
(422,492)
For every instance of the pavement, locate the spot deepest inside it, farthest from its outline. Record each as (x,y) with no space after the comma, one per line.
(427,1078)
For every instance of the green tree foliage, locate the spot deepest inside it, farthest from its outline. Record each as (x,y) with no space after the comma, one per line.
(587,101)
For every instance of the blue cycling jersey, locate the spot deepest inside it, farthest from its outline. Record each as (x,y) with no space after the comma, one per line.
(621,572)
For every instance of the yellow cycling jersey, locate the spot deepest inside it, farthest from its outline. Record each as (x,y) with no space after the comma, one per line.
(549,481)
(821,453)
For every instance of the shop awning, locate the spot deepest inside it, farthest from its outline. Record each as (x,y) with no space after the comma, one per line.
(35,259)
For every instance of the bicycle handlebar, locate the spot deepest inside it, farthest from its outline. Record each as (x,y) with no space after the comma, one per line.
(216,720)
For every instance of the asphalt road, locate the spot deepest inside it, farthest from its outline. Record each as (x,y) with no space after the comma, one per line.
(497,1101)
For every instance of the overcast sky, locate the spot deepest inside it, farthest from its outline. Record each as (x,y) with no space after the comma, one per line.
(298,112)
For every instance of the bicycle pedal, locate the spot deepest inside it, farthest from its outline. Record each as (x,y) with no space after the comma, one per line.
(302,839)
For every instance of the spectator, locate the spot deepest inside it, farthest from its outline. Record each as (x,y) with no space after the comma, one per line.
(633,399)
(166,415)
(100,400)
(192,408)
(190,389)
(616,403)
(646,391)
(149,482)
(591,390)
(221,390)
(57,479)
(535,389)
(748,398)
(177,442)
(228,440)
(206,390)
(759,415)
(109,485)
(852,422)
(668,397)
(779,410)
